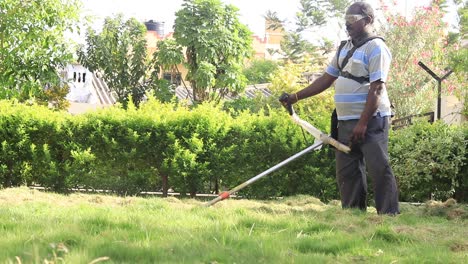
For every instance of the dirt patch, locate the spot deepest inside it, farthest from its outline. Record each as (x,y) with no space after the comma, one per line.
(457,213)
(300,200)
(335,203)
(459,247)
(449,209)
(96,199)
(404,230)
(376,219)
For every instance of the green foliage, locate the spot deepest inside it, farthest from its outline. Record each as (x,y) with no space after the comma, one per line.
(43,227)
(312,14)
(315,13)
(167,56)
(200,150)
(207,150)
(32,143)
(33,47)
(289,78)
(259,103)
(54,96)
(411,89)
(216,45)
(295,48)
(260,70)
(430,161)
(459,54)
(119,54)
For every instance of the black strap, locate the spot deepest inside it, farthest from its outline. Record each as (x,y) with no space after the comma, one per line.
(338,53)
(360,79)
(351,52)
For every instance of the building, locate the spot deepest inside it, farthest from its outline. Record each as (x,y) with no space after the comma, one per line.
(263,47)
(87,91)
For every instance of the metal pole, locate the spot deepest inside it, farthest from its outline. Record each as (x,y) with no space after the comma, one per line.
(439,88)
(225,195)
(439,98)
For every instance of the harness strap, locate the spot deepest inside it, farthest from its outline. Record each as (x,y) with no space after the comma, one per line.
(360,79)
(348,56)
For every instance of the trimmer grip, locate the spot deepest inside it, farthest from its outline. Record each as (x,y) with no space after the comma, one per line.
(338,145)
(284,100)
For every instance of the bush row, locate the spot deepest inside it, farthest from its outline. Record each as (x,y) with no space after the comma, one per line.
(430,161)
(156,147)
(205,150)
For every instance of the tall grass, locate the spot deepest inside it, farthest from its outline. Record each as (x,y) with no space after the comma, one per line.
(38,227)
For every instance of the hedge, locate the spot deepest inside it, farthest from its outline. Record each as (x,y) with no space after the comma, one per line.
(430,161)
(205,150)
(157,147)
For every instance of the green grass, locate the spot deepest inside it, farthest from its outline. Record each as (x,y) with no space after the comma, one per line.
(38,227)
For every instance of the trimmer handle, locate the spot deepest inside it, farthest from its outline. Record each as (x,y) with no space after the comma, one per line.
(284,100)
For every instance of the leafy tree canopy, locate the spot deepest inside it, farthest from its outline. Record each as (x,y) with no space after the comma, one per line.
(32,45)
(216,46)
(167,57)
(411,89)
(312,14)
(119,53)
(260,70)
(459,54)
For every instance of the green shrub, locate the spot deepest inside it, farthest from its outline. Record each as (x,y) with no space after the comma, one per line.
(207,150)
(260,70)
(429,161)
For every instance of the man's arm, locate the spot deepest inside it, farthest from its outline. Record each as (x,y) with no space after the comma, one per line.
(373,97)
(316,87)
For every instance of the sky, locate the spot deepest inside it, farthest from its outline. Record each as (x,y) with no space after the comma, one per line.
(251,11)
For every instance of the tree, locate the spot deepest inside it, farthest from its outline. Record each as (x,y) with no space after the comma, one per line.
(33,47)
(260,70)
(312,15)
(421,38)
(289,78)
(216,46)
(119,53)
(459,54)
(168,55)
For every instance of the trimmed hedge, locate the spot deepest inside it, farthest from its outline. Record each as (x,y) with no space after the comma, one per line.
(156,147)
(430,161)
(206,150)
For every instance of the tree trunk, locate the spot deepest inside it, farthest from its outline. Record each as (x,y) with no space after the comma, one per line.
(216,185)
(165,186)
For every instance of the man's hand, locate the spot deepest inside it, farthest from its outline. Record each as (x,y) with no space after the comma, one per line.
(288,99)
(359,132)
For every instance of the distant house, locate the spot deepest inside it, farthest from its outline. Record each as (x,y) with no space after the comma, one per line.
(87,91)
(265,47)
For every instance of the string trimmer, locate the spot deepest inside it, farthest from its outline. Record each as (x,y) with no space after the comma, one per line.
(320,139)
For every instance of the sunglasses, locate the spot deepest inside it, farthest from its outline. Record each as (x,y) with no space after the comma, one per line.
(351,19)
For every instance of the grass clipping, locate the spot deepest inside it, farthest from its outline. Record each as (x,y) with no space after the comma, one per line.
(449,209)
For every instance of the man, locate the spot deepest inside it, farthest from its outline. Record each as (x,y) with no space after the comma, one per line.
(363,111)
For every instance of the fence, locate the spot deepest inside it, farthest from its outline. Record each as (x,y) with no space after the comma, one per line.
(406,121)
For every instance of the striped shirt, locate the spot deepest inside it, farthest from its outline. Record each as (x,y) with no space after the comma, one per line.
(371,60)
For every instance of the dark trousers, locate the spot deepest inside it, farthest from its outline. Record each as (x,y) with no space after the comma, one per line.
(373,155)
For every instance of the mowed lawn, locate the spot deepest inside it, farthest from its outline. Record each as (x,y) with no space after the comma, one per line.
(39,227)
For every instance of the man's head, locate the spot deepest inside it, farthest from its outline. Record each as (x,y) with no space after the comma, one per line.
(359,18)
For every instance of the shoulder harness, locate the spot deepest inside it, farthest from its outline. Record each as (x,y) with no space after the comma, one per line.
(350,53)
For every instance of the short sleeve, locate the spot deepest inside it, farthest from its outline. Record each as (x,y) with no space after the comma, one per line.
(379,62)
(332,67)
